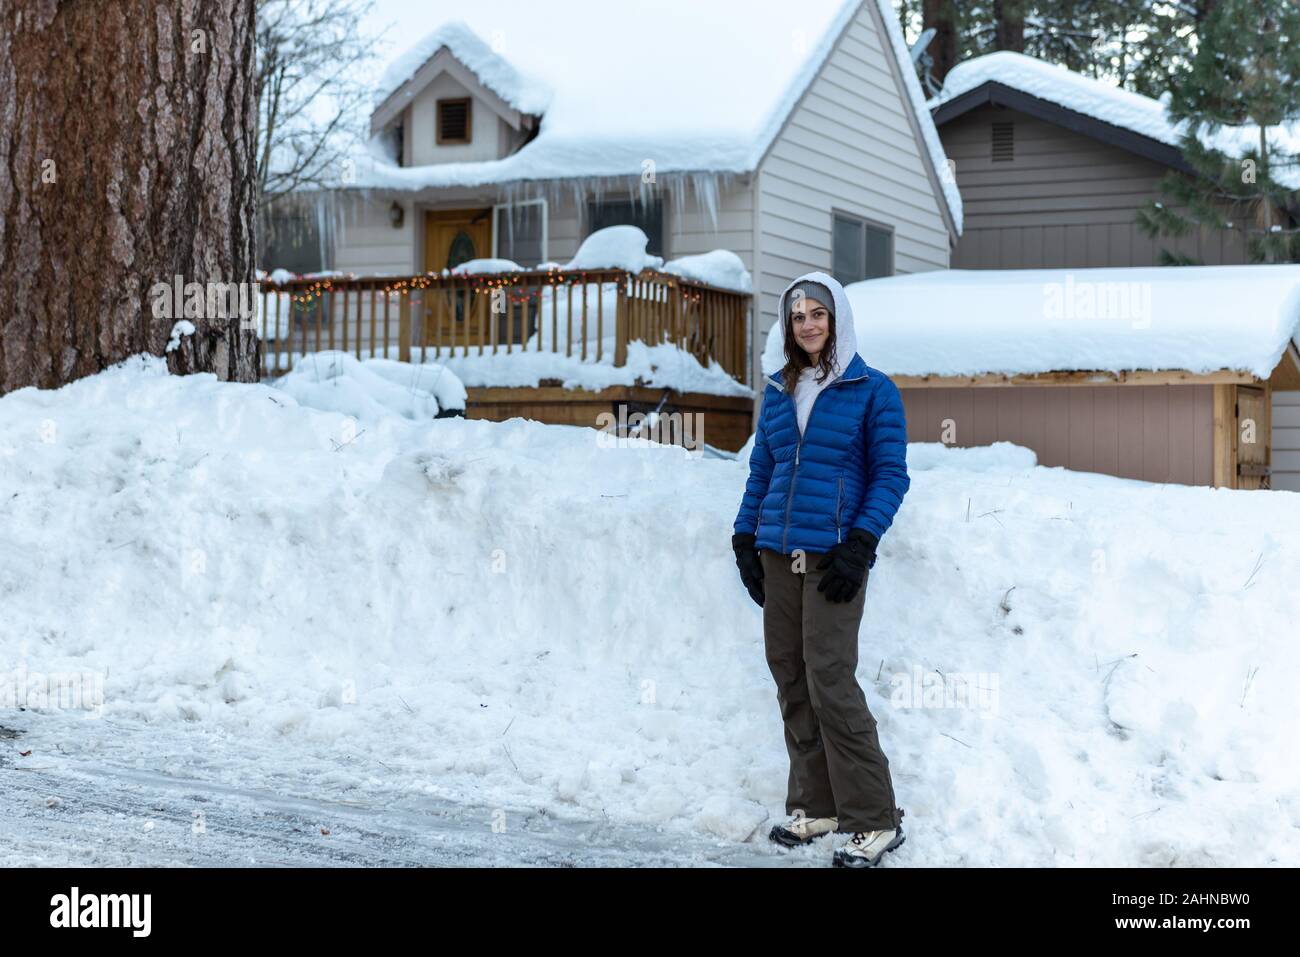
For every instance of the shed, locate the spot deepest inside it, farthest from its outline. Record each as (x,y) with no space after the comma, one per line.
(1160,374)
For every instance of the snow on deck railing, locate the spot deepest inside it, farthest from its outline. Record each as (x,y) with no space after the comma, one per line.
(587,314)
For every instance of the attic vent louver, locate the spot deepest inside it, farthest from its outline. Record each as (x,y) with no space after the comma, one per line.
(1004,142)
(454,121)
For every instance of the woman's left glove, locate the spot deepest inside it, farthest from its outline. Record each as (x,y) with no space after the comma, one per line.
(846,565)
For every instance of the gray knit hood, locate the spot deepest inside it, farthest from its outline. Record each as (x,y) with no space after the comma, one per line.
(846,336)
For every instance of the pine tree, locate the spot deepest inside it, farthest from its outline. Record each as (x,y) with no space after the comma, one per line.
(1234,98)
(126,162)
(1102,38)
(1160,44)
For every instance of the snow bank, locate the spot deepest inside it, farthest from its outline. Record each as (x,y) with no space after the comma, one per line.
(1105,101)
(970,322)
(721,268)
(1066,669)
(372,389)
(1000,456)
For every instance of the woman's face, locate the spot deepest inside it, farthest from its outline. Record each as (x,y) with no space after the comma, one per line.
(811,322)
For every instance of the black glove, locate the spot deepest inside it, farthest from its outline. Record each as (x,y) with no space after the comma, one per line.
(750,565)
(847,563)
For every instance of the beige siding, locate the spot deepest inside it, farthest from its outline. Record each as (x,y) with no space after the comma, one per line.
(420,135)
(1152,433)
(693,230)
(848,146)
(1286,440)
(364,240)
(1065,200)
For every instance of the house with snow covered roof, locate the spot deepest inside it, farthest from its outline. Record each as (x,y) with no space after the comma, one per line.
(794,135)
(1053,167)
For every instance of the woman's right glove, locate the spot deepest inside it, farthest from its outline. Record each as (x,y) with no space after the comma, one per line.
(750,565)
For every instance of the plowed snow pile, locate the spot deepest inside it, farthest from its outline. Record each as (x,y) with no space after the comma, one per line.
(513,613)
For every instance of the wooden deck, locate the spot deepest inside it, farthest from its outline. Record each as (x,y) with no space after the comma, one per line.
(724,422)
(588,315)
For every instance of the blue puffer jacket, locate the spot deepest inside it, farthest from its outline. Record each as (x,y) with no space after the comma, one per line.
(847,470)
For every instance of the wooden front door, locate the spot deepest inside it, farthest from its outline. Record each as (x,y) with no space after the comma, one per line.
(1253,437)
(452,237)
(455,236)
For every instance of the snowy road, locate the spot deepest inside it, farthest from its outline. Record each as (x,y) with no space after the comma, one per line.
(84,796)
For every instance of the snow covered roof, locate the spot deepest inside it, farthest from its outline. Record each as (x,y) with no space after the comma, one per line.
(1025,321)
(1100,100)
(525,93)
(690,87)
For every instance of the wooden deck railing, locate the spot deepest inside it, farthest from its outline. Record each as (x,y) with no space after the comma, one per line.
(591,315)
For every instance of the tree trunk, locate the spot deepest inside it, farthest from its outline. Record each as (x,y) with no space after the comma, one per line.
(943,48)
(1009,26)
(126,164)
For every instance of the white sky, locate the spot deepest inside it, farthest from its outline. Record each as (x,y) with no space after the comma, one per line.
(654,56)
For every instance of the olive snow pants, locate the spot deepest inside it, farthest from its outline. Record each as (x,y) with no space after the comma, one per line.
(836,766)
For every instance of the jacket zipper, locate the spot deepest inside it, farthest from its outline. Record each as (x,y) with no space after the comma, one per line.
(839,499)
(789,500)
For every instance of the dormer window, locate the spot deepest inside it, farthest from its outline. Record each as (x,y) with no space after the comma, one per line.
(454,121)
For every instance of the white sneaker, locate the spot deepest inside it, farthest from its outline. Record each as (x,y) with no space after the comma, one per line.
(802,830)
(866,848)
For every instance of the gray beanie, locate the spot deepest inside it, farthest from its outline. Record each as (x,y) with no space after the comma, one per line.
(809,289)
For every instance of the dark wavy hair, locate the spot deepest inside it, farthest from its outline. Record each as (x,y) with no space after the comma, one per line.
(796,360)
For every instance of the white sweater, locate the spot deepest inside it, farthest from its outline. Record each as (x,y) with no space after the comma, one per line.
(807,390)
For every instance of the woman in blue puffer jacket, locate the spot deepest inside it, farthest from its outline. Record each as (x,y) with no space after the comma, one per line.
(827,473)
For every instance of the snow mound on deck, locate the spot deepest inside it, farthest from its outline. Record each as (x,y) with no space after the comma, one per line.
(615,247)
(371,389)
(721,268)
(624,247)
(476,267)
(512,613)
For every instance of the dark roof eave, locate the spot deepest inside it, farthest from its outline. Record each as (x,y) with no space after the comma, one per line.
(993,93)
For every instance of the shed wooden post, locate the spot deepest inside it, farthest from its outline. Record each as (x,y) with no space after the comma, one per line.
(1225,436)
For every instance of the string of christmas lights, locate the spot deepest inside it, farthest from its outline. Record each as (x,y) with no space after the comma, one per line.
(479,285)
